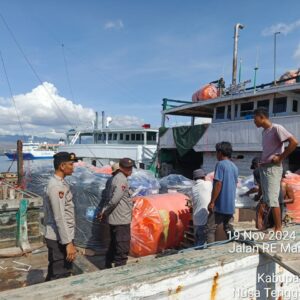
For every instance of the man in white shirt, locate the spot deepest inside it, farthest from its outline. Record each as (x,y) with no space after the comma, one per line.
(201,194)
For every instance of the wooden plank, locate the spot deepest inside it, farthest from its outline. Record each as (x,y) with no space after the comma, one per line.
(119,282)
(283,249)
(83,265)
(213,273)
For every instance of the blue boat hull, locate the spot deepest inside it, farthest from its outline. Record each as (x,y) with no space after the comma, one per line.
(26,156)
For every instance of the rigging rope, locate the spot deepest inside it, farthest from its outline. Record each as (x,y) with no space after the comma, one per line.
(69,81)
(32,68)
(11,94)
(39,79)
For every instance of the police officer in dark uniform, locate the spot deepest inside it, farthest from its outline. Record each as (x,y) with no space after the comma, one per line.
(59,218)
(118,212)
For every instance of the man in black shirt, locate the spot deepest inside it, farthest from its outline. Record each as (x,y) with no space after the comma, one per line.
(255,189)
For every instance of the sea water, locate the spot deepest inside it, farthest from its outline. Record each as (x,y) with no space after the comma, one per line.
(29,165)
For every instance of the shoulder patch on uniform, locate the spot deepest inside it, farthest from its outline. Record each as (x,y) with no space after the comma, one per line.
(61,194)
(123,187)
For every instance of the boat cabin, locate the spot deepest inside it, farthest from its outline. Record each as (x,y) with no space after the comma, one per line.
(231,120)
(107,145)
(115,136)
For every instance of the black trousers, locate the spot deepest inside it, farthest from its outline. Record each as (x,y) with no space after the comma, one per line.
(119,245)
(58,266)
(214,219)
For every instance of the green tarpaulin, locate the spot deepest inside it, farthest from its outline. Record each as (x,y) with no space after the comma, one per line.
(186,137)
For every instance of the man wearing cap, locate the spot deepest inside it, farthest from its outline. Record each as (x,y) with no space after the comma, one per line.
(201,193)
(59,218)
(118,212)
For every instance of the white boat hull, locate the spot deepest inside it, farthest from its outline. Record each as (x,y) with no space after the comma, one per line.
(111,152)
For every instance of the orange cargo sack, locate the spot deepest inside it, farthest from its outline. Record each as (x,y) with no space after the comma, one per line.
(292,181)
(158,223)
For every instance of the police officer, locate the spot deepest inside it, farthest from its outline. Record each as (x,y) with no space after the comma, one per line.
(59,218)
(115,168)
(118,212)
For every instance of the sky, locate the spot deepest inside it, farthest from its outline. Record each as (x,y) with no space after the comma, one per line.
(62,60)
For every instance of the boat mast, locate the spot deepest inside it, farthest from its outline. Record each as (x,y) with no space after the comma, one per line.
(235,51)
(20,162)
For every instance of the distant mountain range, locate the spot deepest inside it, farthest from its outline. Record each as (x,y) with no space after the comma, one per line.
(10,141)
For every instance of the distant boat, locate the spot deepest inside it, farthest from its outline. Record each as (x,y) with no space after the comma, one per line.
(33,150)
(111,144)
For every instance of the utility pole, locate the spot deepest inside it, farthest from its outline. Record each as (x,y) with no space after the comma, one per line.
(20,162)
(235,51)
(275,37)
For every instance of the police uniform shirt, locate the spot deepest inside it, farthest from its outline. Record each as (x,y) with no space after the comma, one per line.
(59,211)
(119,206)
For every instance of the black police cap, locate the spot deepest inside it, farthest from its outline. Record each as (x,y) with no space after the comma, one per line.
(61,157)
(126,162)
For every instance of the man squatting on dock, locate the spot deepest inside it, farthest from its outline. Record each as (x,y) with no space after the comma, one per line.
(270,167)
(59,218)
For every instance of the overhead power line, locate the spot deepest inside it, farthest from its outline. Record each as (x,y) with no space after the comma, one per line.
(12,96)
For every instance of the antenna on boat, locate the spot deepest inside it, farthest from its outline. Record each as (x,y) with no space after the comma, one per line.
(255,71)
(96,121)
(103,119)
(240,70)
(235,51)
(108,121)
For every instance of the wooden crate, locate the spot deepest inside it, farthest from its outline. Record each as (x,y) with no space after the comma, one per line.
(9,177)
(10,198)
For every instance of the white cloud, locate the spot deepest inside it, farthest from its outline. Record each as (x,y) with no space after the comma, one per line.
(281,27)
(118,24)
(297,52)
(43,112)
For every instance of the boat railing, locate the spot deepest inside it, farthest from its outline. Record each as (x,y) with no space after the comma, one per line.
(171,103)
(273,83)
(166,103)
(75,137)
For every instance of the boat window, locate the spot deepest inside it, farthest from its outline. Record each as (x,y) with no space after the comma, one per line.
(133,137)
(115,137)
(295,106)
(220,112)
(121,136)
(109,136)
(236,108)
(127,137)
(279,105)
(151,136)
(263,103)
(138,137)
(229,112)
(247,109)
(101,137)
